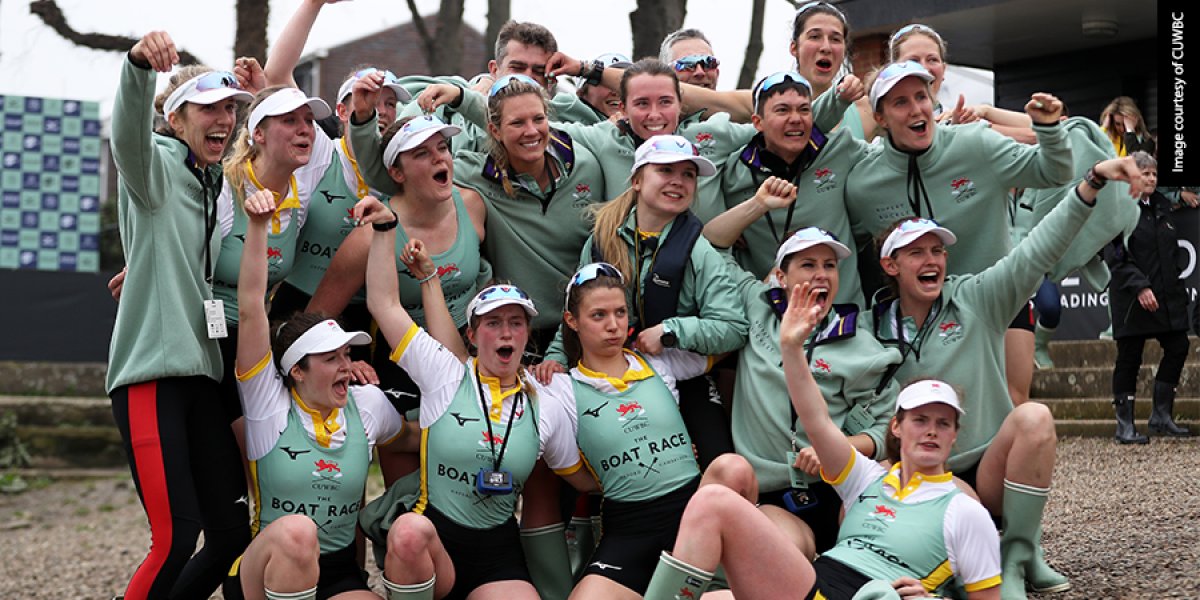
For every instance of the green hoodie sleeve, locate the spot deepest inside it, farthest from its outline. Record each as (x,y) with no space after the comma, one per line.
(829,108)
(998,292)
(1046,164)
(719,324)
(132,141)
(860,391)
(366,141)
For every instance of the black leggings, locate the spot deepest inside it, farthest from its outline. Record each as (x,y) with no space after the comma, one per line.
(705,418)
(188,472)
(1129,359)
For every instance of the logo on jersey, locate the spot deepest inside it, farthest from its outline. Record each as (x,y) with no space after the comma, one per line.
(348,221)
(821,366)
(462,421)
(824,179)
(884,513)
(582,196)
(292,454)
(327,470)
(632,416)
(962,189)
(686,594)
(489,439)
(274,256)
(603,566)
(950,332)
(705,141)
(595,412)
(329,198)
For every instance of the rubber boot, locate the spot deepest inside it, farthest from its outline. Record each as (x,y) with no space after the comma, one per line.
(546,556)
(309,594)
(1162,421)
(1126,432)
(1041,347)
(674,580)
(412,591)
(1020,545)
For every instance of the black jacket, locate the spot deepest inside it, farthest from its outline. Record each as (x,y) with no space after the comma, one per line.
(1150,258)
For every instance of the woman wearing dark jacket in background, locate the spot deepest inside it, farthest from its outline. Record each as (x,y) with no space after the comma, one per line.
(1148,300)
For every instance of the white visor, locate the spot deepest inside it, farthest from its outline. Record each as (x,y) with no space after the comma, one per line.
(669,149)
(283,102)
(806,238)
(206,88)
(893,74)
(927,391)
(910,231)
(325,336)
(414,133)
(494,296)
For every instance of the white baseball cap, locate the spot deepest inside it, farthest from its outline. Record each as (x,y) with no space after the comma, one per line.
(927,391)
(892,74)
(325,336)
(206,88)
(414,133)
(390,81)
(912,229)
(669,149)
(494,296)
(806,238)
(283,102)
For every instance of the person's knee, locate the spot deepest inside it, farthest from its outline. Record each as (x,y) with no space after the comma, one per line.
(713,504)
(410,536)
(296,539)
(1034,424)
(733,471)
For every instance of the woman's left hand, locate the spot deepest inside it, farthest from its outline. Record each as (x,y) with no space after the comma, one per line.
(851,88)
(649,341)
(417,260)
(801,318)
(808,461)
(438,94)
(909,587)
(363,373)
(249,74)
(1124,169)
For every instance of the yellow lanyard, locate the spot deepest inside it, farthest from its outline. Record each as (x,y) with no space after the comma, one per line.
(362,190)
(292,201)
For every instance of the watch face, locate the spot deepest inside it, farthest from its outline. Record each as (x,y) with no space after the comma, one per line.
(669,339)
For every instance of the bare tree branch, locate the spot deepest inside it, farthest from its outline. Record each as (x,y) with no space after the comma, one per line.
(499,13)
(251,36)
(754,47)
(427,41)
(50,14)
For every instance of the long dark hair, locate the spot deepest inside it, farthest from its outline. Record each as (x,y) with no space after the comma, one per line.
(286,334)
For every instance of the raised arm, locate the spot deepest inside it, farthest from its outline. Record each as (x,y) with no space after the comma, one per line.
(438,321)
(285,52)
(725,229)
(132,138)
(802,315)
(344,276)
(254,334)
(383,287)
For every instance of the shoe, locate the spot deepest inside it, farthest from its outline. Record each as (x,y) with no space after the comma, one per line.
(1126,431)
(1162,421)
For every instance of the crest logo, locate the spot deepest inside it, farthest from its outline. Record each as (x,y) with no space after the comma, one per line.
(962,189)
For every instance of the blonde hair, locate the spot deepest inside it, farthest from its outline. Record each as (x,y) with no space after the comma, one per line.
(234,164)
(179,78)
(1124,105)
(495,102)
(605,232)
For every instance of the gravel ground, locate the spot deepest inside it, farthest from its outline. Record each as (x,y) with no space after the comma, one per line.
(1123,522)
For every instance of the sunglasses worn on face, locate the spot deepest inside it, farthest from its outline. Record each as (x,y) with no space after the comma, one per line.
(689,63)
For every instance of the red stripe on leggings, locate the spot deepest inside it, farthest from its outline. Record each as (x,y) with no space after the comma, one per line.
(152,476)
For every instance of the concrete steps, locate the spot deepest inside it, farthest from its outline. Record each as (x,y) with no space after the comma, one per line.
(1079,389)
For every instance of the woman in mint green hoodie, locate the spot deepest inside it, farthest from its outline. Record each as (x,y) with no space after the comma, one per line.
(164,361)
(952,327)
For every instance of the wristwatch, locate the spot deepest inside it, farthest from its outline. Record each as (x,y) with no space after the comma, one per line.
(668,338)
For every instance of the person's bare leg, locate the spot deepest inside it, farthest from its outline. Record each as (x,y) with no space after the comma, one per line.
(1018,364)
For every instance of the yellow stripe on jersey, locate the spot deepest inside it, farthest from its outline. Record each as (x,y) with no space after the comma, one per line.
(423,500)
(914,483)
(403,345)
(938,576)
(323,428)
(845,471)
(256,521)
(233,571)
(983,585)
(497,393)
(256,369)
(631,375)
(571,470)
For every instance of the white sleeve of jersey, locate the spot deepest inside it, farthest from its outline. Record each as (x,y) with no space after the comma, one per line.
(435,370)
(675,365)
(862,472)
(225,209)
(379,417)
(265,404)
(556,409)
(972,543)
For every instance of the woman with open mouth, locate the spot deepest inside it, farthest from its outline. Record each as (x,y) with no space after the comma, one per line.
(164,368)
(309,435)
(483,426)
(951,327)
(908,531)
(622,408)
(448,219)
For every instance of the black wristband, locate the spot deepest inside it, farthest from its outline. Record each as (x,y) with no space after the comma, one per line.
(390,225)
(595,73)
(1094,179)
(141,64)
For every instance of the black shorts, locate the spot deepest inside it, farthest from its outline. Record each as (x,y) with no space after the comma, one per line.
(635,534)
(835,580)
(822,517)
(480,555)
(969,476)
(1024,321)
(339,573)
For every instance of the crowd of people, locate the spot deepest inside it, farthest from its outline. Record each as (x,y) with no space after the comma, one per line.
(702,341)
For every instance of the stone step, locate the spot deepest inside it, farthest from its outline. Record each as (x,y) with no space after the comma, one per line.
(1105,428)
(1071,409)
(60,411)
(1089,382)
(80,446)
(52,379)
(1103,353)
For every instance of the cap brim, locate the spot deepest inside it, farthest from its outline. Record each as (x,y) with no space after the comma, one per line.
(402,94)
(840,250)
(703,166)
(488,306)
(881,89)
(219,94)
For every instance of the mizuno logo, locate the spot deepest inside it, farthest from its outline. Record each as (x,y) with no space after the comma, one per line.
(604,566)
(292,454)
(659,281)
(595,412)
(397,394)
(463,420)
(331,197)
